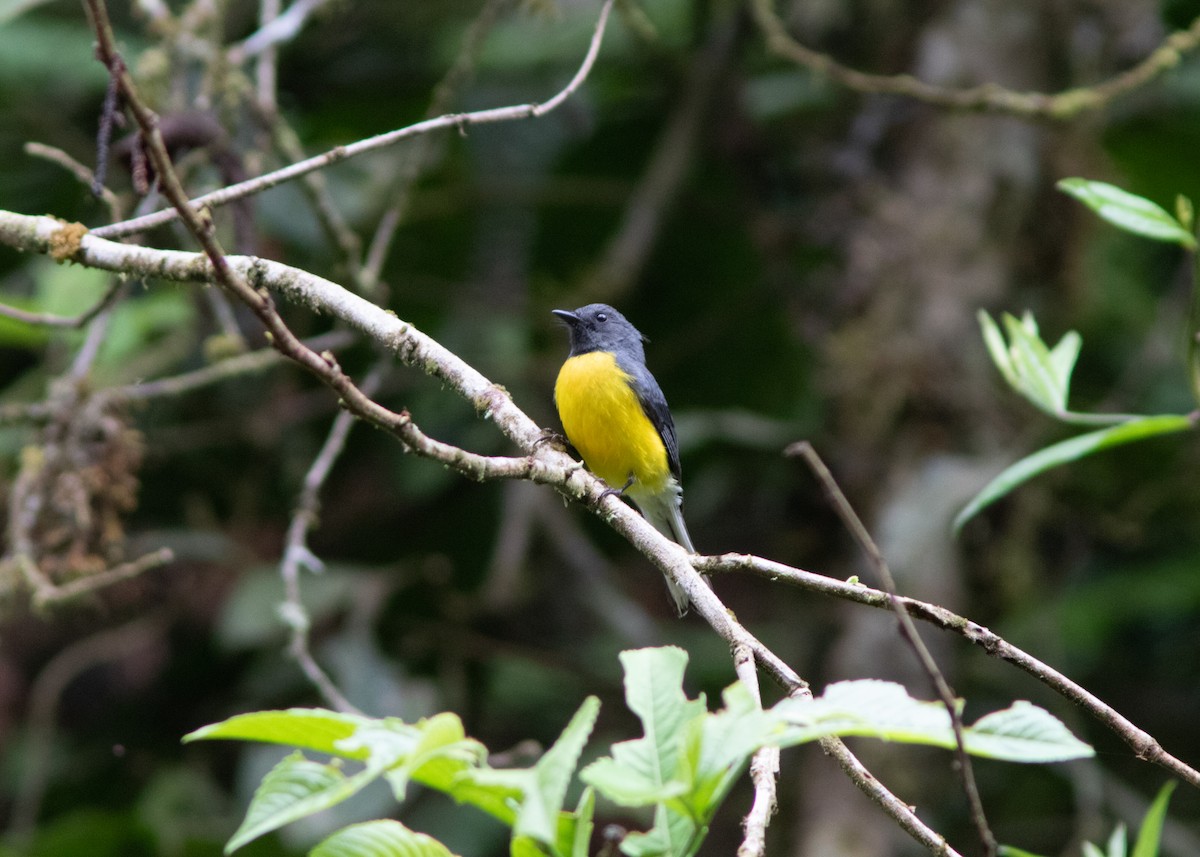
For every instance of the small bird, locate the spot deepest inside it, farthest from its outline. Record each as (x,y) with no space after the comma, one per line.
(615,414)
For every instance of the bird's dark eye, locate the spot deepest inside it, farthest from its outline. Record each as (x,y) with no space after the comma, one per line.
(603,316)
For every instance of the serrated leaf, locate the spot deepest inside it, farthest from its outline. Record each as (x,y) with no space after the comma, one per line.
(498,793)
(1150,832)
(1127,211)
(1064,452)
(294,789)
(384,838)
(880,709)
(643,771)
(307,728)
(1024,733)
(552,774)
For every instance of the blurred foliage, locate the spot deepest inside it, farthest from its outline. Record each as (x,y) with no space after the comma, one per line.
(816,274)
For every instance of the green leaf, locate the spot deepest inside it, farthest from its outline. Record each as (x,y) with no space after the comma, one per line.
(434,752)
(643,771)
(654,692)
(998,349)
(307,728)
(1128,211)
(1151,830)
(880,709)
(1117,844)
(293,789)
(673,835)
(530,799)
(384,838)
(575,828)
(552,774)
(718,746)
(1031,361)
(1062,361)
(525,846)
(1037,372)
(1024,733)
(1073,449)
(1010,851)
(1185,212)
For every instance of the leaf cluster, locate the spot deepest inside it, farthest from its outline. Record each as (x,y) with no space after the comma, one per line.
(681,768)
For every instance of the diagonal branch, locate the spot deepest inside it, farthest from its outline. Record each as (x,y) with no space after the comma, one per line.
(542,463)
(908,631)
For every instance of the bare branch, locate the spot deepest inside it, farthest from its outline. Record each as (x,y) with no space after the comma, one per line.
(46,593)
(1142,743)
(297,556)
(81,172)
(292,171)
(764,768)
(74,322)
(908,631)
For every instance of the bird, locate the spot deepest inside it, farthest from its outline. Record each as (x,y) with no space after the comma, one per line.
(614,413)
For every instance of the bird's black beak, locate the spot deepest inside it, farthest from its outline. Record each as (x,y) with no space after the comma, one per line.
(567,316)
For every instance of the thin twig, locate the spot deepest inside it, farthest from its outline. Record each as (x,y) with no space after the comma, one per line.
(908,630)
(81,172)
(297,556)
(454,120)
(666,170)
(75,322)
(543,465)
(988,97)
(81,366)
(275,29)
(266,70)
(46,594)
(424,149)
(223,370)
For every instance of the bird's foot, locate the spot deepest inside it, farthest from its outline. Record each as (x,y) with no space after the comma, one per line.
(615,492)
(552,438)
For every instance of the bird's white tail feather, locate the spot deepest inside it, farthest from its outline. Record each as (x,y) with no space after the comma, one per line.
(664,511)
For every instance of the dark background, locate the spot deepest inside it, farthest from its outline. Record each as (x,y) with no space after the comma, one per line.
(813,268)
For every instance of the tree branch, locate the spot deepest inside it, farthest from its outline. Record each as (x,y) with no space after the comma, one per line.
(452,120)
(989,97)
(543,463)
(1142,743)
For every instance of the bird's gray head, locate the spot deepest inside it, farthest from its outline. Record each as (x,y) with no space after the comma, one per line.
(599,327)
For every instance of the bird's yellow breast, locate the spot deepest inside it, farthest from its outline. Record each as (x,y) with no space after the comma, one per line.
(604,421)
